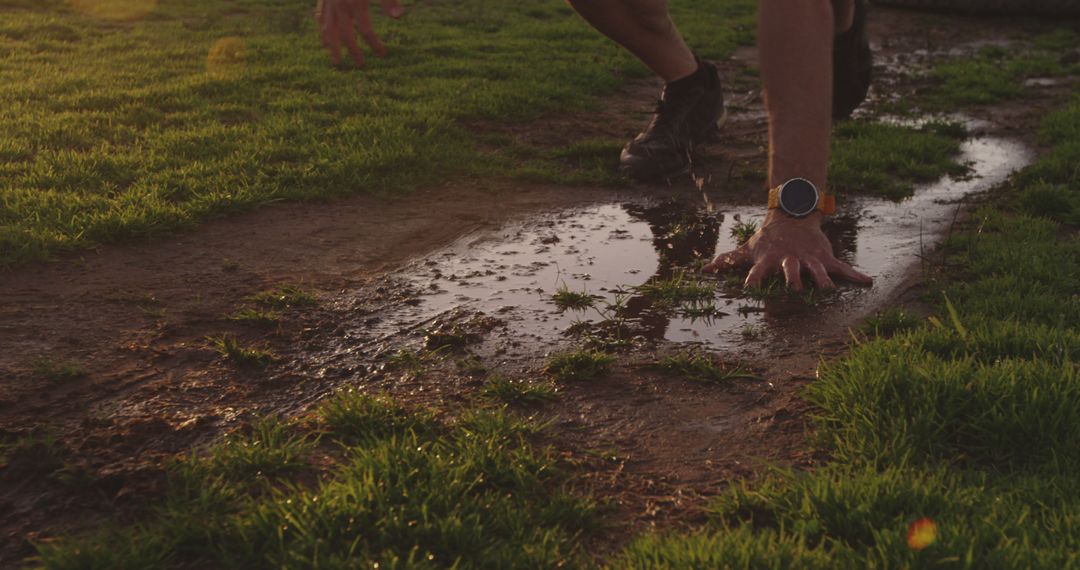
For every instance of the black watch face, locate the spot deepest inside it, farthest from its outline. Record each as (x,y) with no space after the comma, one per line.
(798,197)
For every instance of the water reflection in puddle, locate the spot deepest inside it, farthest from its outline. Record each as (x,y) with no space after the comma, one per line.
(609,249)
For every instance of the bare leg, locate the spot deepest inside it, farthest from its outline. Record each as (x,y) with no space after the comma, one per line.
(645,29)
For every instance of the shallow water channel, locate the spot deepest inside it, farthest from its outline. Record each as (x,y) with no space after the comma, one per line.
(611,249)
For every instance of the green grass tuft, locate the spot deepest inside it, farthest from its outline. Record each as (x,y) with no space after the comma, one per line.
(523,392)
(683,287)
(357,417)
(257,316)
(57,370)
(270,447)
(890,322)
(743,231)
(230,347)
(701,368)
(566,299)
(580,365)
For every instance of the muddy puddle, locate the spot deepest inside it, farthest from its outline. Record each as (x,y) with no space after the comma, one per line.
(625,255)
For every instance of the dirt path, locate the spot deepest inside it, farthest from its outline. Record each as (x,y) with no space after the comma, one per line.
(135,319)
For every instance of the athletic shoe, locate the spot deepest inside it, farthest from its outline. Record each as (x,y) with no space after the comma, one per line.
(689,112)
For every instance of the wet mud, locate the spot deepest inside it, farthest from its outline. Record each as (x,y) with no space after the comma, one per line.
(615,252)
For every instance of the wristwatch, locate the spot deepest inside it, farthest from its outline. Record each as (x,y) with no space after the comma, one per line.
(799,197)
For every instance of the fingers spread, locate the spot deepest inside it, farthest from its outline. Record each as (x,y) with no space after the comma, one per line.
(728,261)
(392,8)
(821,277)
(837,267)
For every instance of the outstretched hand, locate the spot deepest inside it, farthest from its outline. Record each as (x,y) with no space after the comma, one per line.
(339,21)
(793,246)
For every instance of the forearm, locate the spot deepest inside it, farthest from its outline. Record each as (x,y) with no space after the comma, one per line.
(795,47)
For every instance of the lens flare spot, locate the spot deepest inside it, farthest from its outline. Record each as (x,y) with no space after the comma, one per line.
(922,533)
(115,10)
(226,56)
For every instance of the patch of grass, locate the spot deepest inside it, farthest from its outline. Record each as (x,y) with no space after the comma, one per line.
(888,160)
(682,287)
(472,495)
(524,392)
(230,347)
(743,231)
(58,370)
(200,109)
(1060,132)
(257,316)
(411,361)
(471,366)
(890,322)
(700,368)
(32,454)
(285,297)
(268,448)
(579,365)
(566,299)
(750,332)
(353,416)
(997,74)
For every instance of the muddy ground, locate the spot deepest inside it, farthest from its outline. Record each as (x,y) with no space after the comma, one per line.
(388,271)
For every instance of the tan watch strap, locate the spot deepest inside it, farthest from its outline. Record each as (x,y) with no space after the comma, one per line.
(826,202)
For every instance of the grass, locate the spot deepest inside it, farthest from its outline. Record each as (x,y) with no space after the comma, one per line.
(521,392)
(353,416)
(32,454)
(190,110)
(474,494)
(268,448)
(285,297)
(743,231)
(682,288)
(997,73)
(579,365)
(58,370)
(700,368)
(230,347)
(966,418)
(411,361)
(565,299)
(890,322)
(257,316)
(889,160)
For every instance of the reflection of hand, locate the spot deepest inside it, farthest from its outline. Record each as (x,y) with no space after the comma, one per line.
(791,245)
(339,21)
